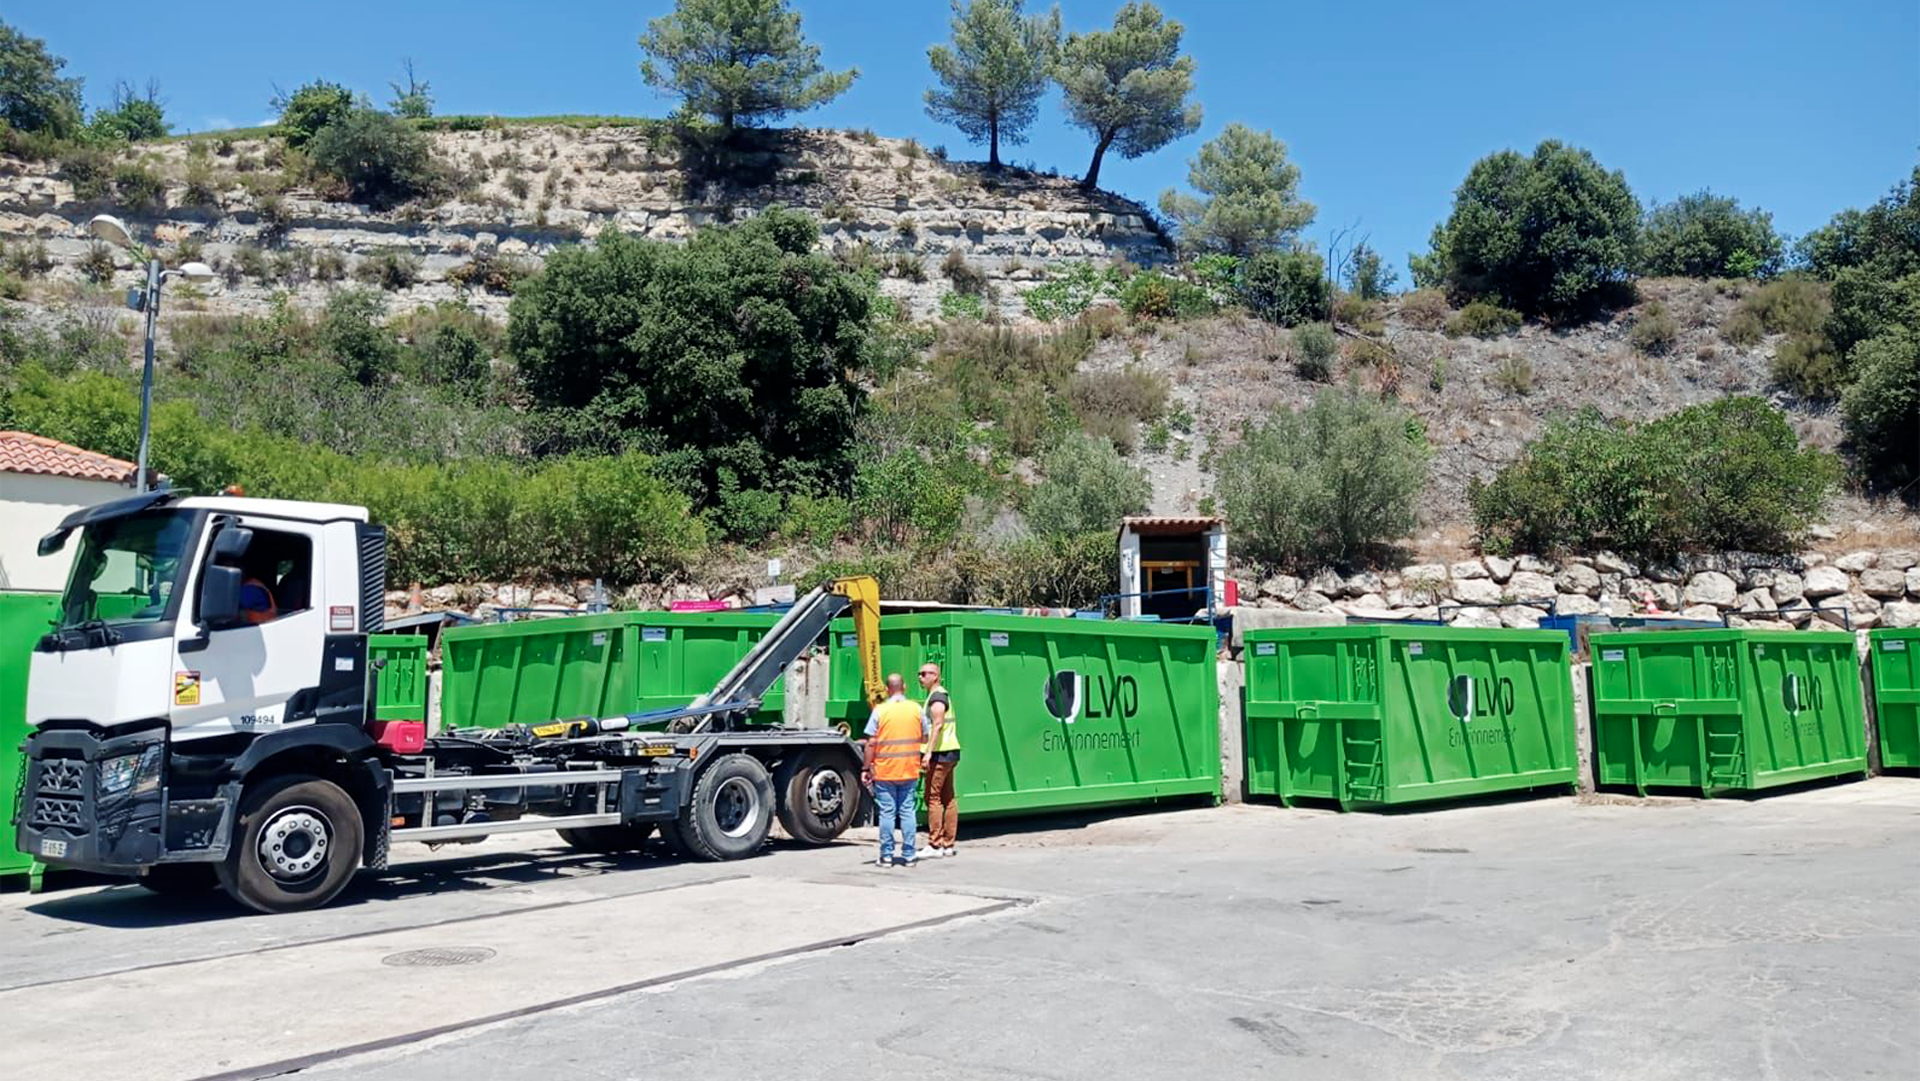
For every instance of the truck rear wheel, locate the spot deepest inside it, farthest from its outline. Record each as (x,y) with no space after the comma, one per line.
(819,796)
(295,846)
(731,809)
(607,838)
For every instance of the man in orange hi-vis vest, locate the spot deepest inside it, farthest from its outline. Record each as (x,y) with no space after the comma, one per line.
(896,736)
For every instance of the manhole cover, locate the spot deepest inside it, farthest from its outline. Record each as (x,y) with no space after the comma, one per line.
(438,957)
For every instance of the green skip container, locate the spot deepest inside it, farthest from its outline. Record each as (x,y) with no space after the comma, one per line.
(400,690)
(1896,694)
(1385,714)
(1055,713)
(599,665)
(1734,710)
(24,618)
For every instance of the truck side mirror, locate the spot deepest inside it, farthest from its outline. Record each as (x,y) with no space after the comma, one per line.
(230,545)
(219,595)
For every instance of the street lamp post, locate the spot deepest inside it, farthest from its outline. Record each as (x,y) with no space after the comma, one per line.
(114,231)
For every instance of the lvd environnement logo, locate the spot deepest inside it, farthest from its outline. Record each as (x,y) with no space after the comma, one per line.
(1070,697)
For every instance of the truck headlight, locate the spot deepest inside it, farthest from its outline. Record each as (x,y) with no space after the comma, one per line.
(139,771)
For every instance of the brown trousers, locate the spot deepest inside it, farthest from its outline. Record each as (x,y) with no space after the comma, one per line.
(943,810)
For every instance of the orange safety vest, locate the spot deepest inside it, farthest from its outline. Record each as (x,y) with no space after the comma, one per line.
(896,742)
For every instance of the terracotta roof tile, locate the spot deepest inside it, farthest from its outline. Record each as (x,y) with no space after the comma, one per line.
(23,452)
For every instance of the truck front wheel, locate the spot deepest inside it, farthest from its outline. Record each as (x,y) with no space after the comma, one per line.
(295,846)
(731,809)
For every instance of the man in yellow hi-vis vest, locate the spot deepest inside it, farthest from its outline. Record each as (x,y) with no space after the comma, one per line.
(896,739)
(943,755)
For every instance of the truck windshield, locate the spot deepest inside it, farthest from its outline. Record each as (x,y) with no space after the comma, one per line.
(126,569)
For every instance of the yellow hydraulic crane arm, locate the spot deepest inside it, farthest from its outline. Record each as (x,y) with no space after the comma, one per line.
(863,604)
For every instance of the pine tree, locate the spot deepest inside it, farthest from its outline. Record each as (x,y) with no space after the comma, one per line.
(1129,85)
(993,76)
(738,61)
(1249,195)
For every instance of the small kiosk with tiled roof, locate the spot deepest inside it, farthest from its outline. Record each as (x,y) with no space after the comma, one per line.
(1172,567)
(42,481)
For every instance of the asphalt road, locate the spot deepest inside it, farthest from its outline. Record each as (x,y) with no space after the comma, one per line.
(1770,938)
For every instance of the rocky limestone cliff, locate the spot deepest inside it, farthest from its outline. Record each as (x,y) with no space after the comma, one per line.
(530,188)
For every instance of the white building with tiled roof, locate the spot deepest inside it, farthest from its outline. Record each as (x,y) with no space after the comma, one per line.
(42,481)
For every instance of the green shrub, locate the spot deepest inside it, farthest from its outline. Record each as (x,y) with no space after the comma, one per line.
(329,265)
(1153,295)
(1743,329)
(745,515)
(307,110)
(1314,347)
(1425,309)
(1513,376)
(1881,410)
(139,190)
(1335,482)
(955,306)
(1730,474)
(97,265)
(382,160)
(1481,319)
(1809,366)
(818,520)
(203,185)
(1371,353)
(351,331)
(1112,404)
(734,348)
(12,288)
(131,118)
(1789,306)
(253,262)
(1654,330)
(966,277)
(1288,288)
(28,259)
(89,169)
(392,269)
(1086,486)
(1709,236)
(1069,293)
(1057,570)
(1553,234)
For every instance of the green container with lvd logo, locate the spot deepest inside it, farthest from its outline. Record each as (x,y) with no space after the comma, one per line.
(1733,710)
(1896,694)
(1055,713)
(1383,715)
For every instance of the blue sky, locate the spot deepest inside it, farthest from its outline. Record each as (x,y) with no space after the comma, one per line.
(1796,107)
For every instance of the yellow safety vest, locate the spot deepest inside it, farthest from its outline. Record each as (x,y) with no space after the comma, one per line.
(950,735)
(897,741)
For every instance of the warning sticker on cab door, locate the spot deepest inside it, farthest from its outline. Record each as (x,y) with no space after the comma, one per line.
(340,617)
(186,688)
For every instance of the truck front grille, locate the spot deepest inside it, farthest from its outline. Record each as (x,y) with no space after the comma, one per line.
(56,811)
(63,776)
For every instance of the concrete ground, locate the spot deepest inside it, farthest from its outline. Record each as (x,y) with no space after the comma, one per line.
(1561,938)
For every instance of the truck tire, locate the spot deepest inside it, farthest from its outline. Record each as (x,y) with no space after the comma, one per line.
(180,879)
(296,845)
(819,796)
(731,809)
(607,838)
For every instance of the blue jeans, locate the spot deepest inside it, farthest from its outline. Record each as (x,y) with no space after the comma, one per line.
(896,800)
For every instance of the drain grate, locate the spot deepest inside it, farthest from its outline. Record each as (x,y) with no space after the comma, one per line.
(438,957)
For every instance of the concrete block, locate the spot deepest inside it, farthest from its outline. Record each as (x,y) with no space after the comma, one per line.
(1252,619)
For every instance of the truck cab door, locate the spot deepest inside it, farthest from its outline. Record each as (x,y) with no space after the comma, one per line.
(259,669)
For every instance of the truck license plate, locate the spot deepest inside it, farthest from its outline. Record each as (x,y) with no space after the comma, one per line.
(51,847)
